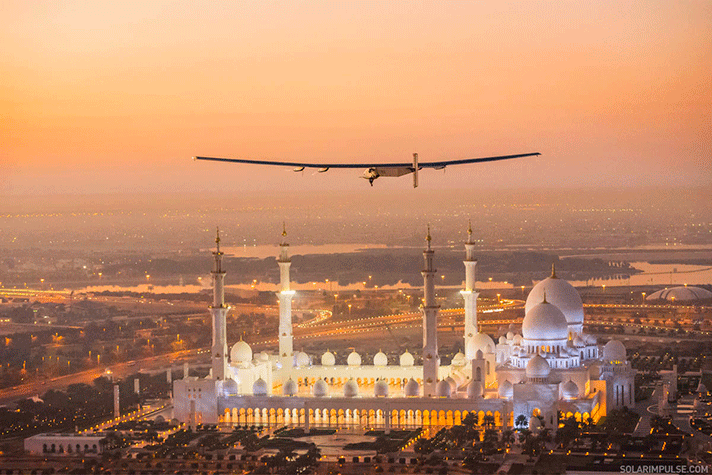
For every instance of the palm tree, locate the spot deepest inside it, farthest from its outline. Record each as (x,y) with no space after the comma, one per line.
(521,421)
(507,437)
(488,421)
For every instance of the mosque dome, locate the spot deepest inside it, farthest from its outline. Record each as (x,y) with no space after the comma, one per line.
(412,388)
(328,359)
(351,388)
(545,322)
(503,340)
(517,339)
(570,390)
(442,389)
(559,293)
(614,351)
(510,335)
(230,387)
(459,359)
(303,360)
(453,384)
(475,389)
(241,352)
(263,356)
(406,359)
(320,388)
(578,341)
(478,341)
(681,294)
(260,387)
(354,359)
(380,359)
(590,339)
(290,388)
(506,390)
(380,389)
(537,368)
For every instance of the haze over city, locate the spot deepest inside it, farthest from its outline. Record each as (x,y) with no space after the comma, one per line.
(550,313)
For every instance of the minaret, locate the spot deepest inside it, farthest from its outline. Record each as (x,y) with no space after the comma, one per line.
(431,359)
(286,343)
(469,294)
(219,311)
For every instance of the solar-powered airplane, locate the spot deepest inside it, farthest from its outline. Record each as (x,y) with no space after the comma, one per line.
(373,170)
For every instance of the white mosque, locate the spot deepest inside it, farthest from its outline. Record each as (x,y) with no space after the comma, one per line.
(551,366)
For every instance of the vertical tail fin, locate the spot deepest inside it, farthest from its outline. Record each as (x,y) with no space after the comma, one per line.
(415,170)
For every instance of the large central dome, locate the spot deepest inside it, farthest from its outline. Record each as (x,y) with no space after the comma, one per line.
(544,323)
(563,295)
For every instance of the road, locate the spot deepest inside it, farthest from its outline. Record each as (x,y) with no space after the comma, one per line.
(120,370)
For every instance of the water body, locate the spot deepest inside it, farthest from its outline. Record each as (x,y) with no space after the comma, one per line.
(653,274)
(264,251)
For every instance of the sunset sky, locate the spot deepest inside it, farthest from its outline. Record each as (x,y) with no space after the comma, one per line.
(117,96)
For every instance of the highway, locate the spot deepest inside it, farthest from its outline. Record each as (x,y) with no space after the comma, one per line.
(121,370)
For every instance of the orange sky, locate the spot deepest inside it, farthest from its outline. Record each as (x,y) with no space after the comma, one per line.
(100,96)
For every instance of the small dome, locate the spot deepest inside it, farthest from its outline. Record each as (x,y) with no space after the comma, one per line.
(510,335)
(290,388)
(517,339)
(590,339)
(230,387)
(503,340)
(406,359)
(328,359)
(475,389)
(569,390)
(263,356)
(561,294)
(380,359)
(354,359)
(303,360)
(241,352)
(578,341)
(614,351)
(260,387)
(351,388)
(478,341)
(459,359)
(506,390)
(380,389)
(412,388)
(545,322)
(537,368)
(443,389)
(453,384)
(320,388)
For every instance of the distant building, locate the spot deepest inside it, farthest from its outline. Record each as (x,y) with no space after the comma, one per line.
(65,444)
(686,294)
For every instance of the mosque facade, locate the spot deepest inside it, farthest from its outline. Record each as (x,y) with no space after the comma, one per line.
(552,366)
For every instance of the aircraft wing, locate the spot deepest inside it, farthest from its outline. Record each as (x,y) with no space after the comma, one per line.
(437,165)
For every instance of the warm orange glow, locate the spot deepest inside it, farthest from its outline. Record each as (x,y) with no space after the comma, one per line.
(105,96)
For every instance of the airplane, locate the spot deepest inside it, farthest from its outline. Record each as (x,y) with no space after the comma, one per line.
(374,170)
